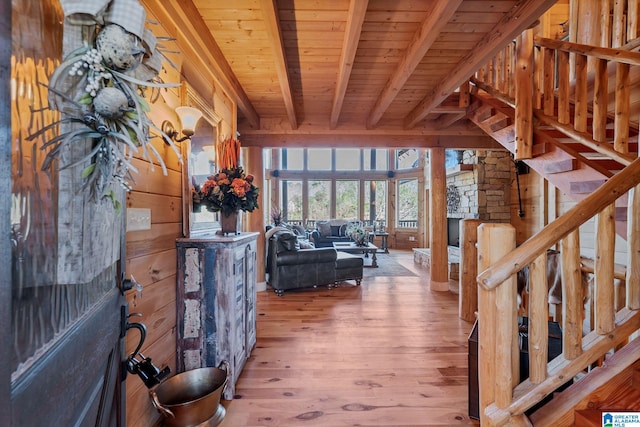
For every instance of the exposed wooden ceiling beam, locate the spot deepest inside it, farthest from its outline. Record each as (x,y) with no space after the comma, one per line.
(422,40)
(357,10)
(272,24)
(196,33)
(446,120)
(513,23)
(366,140)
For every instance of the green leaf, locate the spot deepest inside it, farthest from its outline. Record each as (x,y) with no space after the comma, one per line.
(88,170)
(144,105)
(85,99)
(132,115)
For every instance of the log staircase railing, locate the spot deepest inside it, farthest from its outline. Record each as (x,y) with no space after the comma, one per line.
(568,90)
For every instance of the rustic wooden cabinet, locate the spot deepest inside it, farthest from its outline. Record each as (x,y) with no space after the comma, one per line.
(216,313)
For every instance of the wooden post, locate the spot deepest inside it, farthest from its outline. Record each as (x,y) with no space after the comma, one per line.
(581,97)
(538,319)
(621,124)
(548,95)
(468,296)
(633,249)
(564,86)
(524,96)
(571,303)
(604,293)
(439,254)
(497,323)
(600,101)
(255,219)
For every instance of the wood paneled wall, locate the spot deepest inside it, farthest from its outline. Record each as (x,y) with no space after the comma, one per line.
(151,254)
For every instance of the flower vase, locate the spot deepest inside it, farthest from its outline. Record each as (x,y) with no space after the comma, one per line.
(230,222)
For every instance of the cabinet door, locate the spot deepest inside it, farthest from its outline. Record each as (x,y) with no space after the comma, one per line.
(250,297)
(239,313)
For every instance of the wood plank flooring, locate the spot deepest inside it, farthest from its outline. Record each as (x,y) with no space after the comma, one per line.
(387,353)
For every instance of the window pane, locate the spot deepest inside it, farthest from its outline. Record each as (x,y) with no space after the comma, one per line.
(291,158)
(319,200)
(407,158)
(266,158)
(407,211)
(375,203)
(379,162)
(348,159)
(319,159)
(292,201)
(347,196)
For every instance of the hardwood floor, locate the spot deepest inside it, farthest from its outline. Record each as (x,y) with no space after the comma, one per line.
(387,353)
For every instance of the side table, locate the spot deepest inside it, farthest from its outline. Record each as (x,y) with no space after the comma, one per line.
(384,248)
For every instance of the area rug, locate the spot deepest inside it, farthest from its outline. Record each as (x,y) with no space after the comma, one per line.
(386,267)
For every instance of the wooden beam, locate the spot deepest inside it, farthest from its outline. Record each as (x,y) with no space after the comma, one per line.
(446,120)
(622,55)
(438,17)
(195,33)
(513,23)
(366,140)
(355,18)
(272,25)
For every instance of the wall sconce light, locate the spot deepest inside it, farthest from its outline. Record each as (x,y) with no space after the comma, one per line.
(189,117)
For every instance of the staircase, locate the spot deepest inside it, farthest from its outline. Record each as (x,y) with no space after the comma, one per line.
(583,141)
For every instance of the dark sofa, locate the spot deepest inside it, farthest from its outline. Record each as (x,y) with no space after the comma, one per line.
(290,267)
(329,231)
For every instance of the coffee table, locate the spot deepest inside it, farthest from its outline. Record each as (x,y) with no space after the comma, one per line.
(352,248)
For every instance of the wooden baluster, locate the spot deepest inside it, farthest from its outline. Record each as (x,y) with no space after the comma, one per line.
(604,292)
(538,74)
(524,94)
(632,20)
(549,59)
(619,24)
(581,99)
(498,356)
(621,134)
(600,100)
(563,88)
(538,319)
(571,295)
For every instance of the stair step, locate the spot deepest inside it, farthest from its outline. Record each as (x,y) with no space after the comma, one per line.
(560,166)
(483,113)
(588,418)
(585,187)
(540,148)
(497,122)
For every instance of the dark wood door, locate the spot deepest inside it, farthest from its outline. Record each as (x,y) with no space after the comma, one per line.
(60,308)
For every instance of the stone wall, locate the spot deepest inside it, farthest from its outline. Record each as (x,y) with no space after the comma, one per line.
(483,192)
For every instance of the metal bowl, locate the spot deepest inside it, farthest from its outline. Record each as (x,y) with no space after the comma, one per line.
(192,397)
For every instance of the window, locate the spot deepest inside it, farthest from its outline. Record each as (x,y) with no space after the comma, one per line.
(319,200)
(347,198)
(292,201)
(407,158)
(292,158)
(375,202)
(375,159)
(407,207)
(347,159)
(319,159)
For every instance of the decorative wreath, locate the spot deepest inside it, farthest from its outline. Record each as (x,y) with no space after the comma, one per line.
(108,78)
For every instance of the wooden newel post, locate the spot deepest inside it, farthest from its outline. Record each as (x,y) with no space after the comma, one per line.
(498,349)
(468,296)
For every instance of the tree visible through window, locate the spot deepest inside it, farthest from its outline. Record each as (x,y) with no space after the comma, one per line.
(347,197)
(319,199)
(407,207)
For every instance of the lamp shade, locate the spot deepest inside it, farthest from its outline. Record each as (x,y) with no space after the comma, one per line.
(189,116)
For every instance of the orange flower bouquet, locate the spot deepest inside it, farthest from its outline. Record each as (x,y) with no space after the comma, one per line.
(230,190)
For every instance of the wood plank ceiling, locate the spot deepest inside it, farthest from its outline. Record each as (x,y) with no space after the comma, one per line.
(380,72)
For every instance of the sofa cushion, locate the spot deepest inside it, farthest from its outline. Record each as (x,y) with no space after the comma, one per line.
(324,228)
(335,230)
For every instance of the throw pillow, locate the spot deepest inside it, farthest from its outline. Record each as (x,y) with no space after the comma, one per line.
(335,230)
(287,241)
(343,230)
(324,228)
